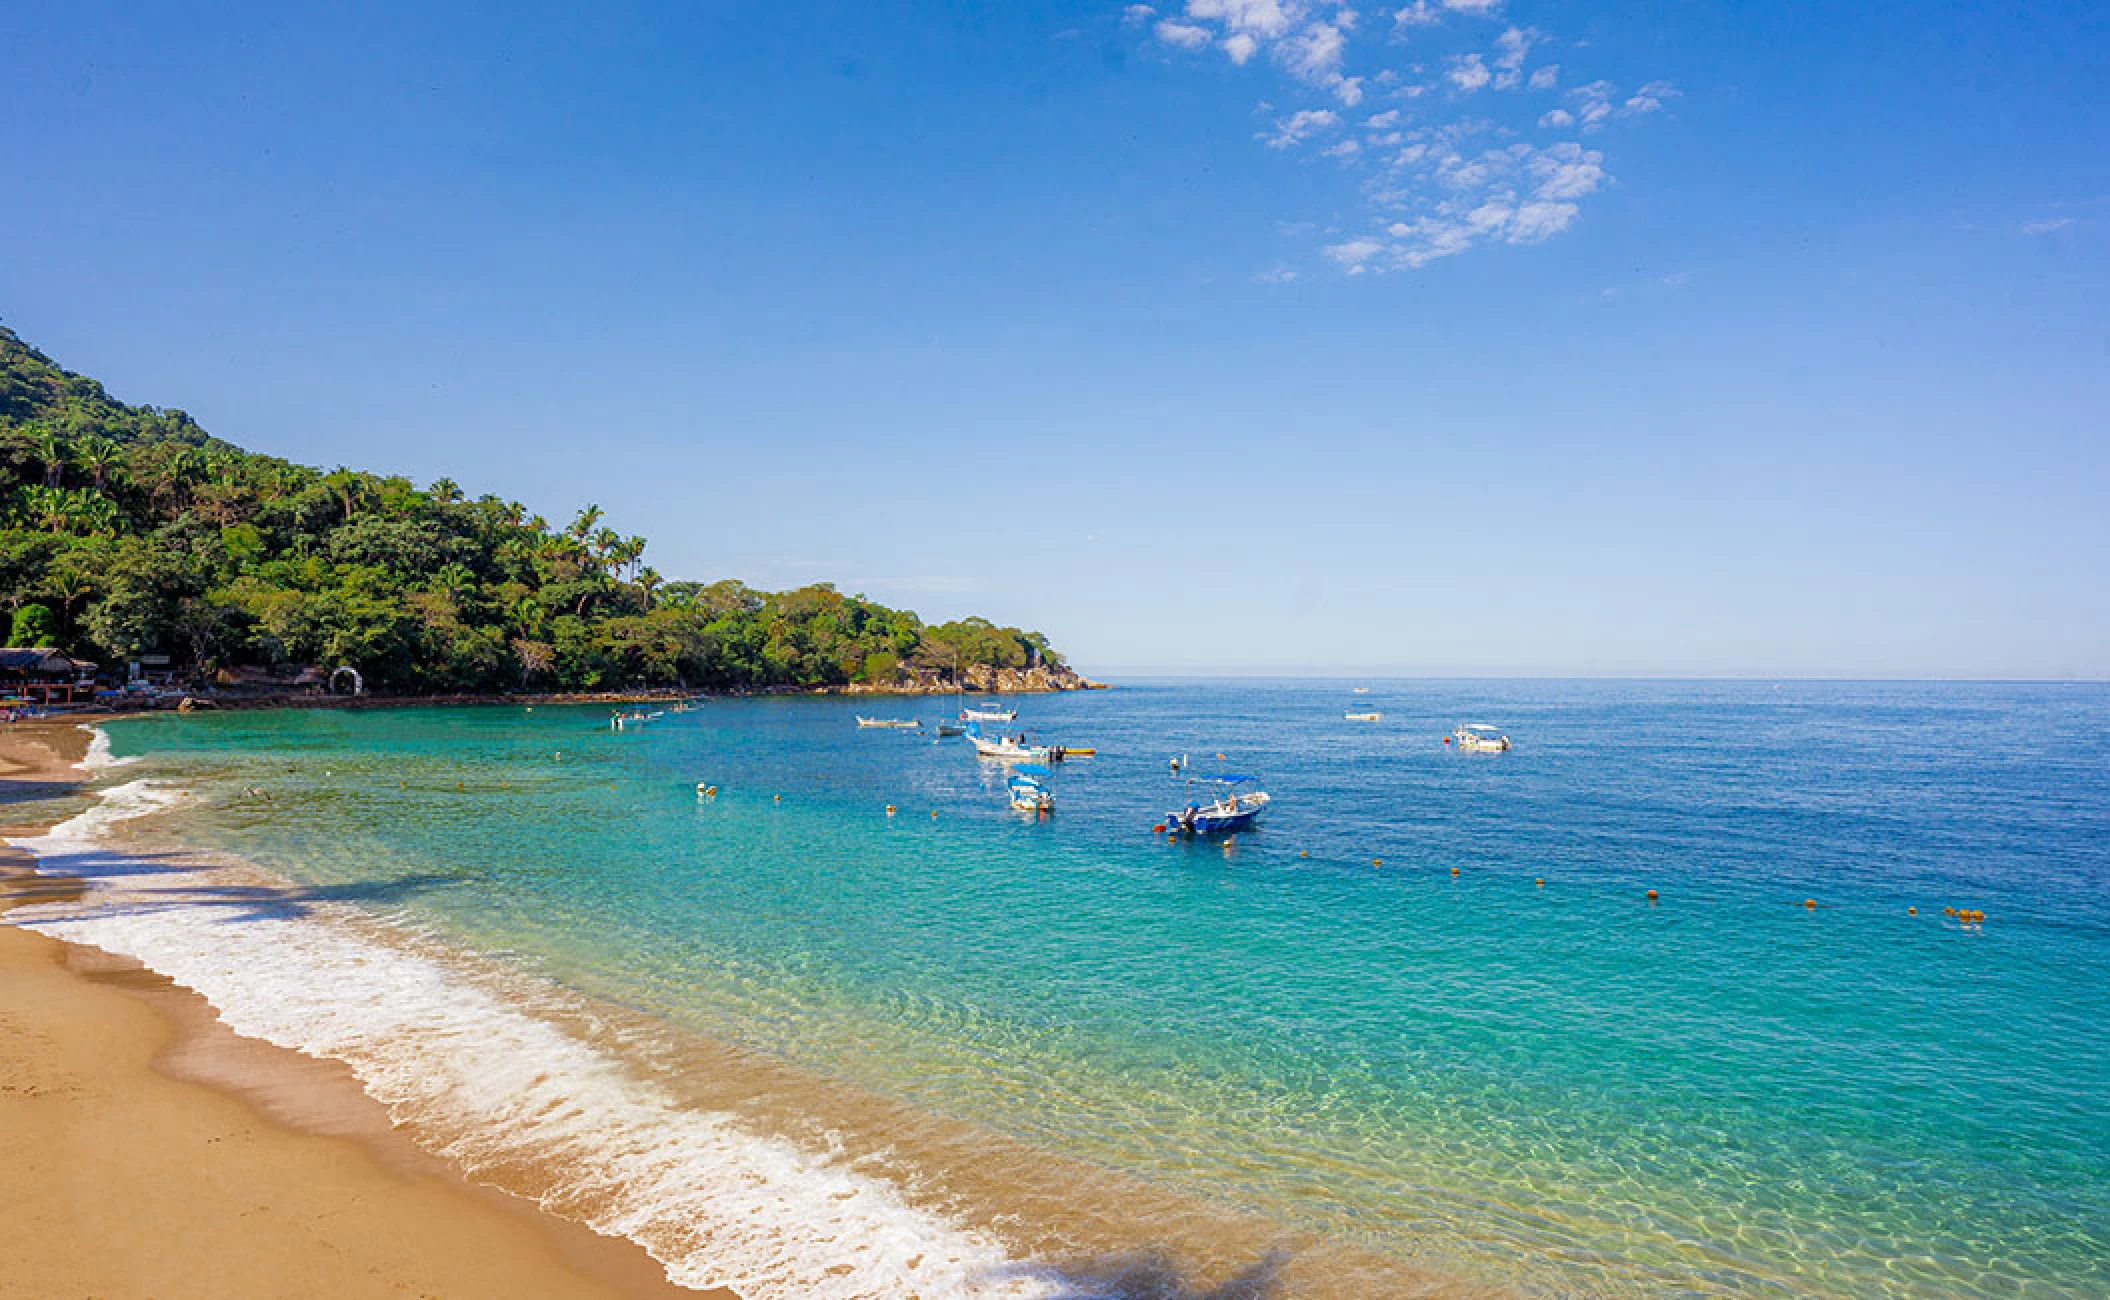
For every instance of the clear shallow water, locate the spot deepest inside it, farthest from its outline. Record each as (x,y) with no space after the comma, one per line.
(1559,1088)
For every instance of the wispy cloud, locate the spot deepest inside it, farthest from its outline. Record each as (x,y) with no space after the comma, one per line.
(2049,225)
(1439,116)
(1300,126)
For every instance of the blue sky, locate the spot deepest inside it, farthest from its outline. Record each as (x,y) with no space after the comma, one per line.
(1678,339)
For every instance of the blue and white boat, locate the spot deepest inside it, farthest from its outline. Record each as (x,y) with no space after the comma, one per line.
(1029,789)
(1235,805)
(1006,749)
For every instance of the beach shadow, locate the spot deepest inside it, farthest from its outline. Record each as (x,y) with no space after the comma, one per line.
(14,791)
(233,902)
(1154,1276)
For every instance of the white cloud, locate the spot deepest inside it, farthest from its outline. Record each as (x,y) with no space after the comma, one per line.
(1354,253)
(1469,73)
(2049,225)
(1453,172)
(1315,53)
(1537,222)
(1263,18)
(1277,275)
(1185,35)
(1512,47)
(1566,171)
(1300,125)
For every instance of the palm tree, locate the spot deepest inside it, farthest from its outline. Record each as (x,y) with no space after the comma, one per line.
(48,508)
(445,491)
(348,486)
(94,513)
(583,525)
(649,580)
(51,449)
(97,455)
(454,578)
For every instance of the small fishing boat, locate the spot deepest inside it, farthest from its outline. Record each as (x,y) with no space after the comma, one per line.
(633,719)
(1029,790)
(1362,690)
(1371,716)
(1480,738)
(1007,749)
(988,713)
(1236,805)
(951,729)
(896,723)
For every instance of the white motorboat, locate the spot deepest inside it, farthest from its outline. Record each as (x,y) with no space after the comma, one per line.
(1481,738)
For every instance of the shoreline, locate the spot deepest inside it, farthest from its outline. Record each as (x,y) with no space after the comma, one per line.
(158,1152)
(657,694)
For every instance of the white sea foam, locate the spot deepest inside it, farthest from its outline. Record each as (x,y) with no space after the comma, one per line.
(718,1205)
(98,758)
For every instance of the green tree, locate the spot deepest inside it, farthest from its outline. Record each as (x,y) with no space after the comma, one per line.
(34,625)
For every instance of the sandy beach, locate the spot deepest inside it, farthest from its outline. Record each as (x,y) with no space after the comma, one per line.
(151,1152)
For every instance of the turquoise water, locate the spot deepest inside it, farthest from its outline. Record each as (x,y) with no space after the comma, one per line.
(1561,1088)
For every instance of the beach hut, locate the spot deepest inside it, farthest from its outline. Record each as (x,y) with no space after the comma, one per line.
(45,675)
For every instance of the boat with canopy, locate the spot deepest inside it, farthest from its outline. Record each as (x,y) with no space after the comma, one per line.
(1006,749)
(1030,790)
(1481,738)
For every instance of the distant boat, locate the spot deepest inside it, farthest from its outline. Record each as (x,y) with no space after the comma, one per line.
(988,714)
(622,721)
(951,729)
(864,721)
(1481,738)
(1029,790)
(1007,749)
(1233,808)
(1362,690)
(1372,716)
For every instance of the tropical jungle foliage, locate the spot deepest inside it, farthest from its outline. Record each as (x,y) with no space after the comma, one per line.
(129,530)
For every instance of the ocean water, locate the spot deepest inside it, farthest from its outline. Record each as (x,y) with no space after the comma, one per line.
(1424,1031)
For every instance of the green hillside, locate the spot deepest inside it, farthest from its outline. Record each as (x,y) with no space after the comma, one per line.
(129,530)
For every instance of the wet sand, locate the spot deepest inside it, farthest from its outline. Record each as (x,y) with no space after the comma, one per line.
(148,1151)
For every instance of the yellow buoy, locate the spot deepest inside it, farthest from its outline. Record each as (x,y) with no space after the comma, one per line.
(1651,895)
(777,798)
(1305,854)
(1542,882)
(890,810)
(1454,871)
(1810,903)
(934,814)
(1912,911)
(1377,862)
